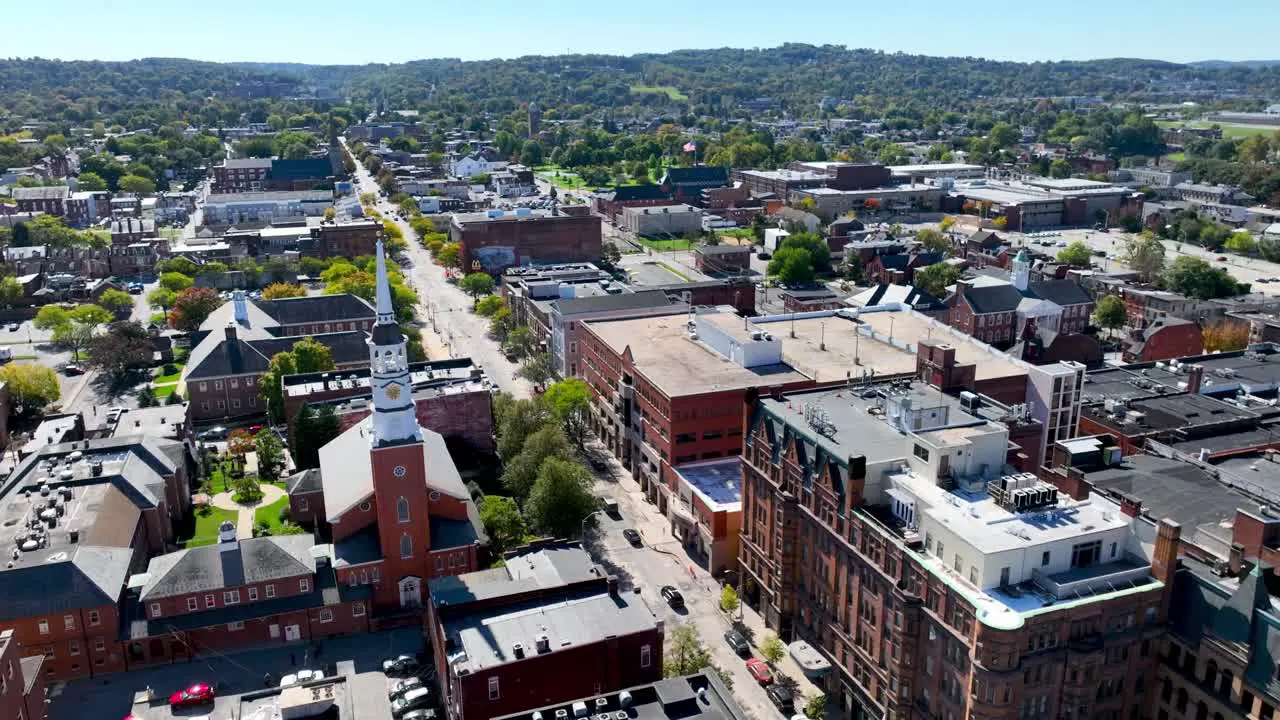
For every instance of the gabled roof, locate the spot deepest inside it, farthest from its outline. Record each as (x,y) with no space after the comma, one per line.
(1060,292)
(46,192)
(905,294)
(303,481)
(1234,621)
(317,308)
(993,298)
(91,577)
(217,356)
(986,238)
(213,567)
(647,191)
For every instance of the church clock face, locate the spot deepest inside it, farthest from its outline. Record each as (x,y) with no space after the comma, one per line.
(393,392)
(399,471)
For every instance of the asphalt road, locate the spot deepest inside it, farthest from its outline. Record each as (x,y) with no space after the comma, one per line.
(446,310)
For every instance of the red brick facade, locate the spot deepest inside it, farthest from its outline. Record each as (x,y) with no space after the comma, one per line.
(16,701)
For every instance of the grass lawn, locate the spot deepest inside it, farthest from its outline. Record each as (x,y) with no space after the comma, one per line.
(207,521)
(668,90)
(666,245)
(269,515)
(164,391)
(1229,131)
(1176,157)
(172,377)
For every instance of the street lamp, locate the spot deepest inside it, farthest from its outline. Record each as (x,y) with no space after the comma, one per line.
(583,532)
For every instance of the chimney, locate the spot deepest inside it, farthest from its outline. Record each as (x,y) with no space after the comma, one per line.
(241,307)
(1130,506)
(230,330)
(612,583)
(1195,377)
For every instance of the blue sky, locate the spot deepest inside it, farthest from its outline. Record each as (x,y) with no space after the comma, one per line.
(395,31)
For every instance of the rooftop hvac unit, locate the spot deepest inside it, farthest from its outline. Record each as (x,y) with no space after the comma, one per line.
(579,709)
(624,699)
(601,703)
(562,714)
(543,643)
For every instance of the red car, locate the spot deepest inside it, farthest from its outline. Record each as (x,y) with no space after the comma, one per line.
(192,696)
(1221,258)
(760,671)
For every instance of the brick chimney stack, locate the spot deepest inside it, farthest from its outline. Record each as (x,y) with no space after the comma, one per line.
(1195,377)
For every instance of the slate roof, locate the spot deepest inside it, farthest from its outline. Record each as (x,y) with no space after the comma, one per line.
(213,567)
(90,578)
(216,356)
(905,294)
(245,163)
(304,481)
(347,475)
(701,174)
(1060,292)
(985,238)
(317,308)
(624,193)
(993,298)
(47,192)
(301,169)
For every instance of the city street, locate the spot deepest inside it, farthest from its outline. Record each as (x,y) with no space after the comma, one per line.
(445,311)
(661,560)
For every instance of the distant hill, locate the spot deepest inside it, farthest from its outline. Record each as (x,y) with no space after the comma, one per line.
(1221,64)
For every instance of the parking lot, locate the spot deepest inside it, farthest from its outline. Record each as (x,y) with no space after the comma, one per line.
(359,658)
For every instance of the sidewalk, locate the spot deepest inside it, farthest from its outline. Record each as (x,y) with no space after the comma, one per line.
(657,529)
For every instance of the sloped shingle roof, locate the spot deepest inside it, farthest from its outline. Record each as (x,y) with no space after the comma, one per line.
(214,567)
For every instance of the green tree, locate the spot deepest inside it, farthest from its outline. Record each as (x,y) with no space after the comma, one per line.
(793,266)
(935,279)
(311,355)
(1077,254)
(281,290)
(10,290)
(1197,278)
(501,324)
(1110,313)
(450,256)
(772,649)
(125,346)
(816,707)
(161,299)
(503,523)
(179,265)
(270,453)
(137,184)
(1002,135)
(116,302)
(1242,242)
(31,387)
(537,369)
(815,245)
(569,402)
(1060,168)
(1145,256)
(545,443)
(192,306)
(932,241)
(90,181)
(476,284)
(561,498)
(489,305)
(269,386)
(147,397)
(520,343)
(516,420)
(685,652)
(71,328)
(311,431)
(729,601)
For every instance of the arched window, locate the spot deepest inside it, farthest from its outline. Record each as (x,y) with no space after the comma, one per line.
(406,547)
(1224,685)
(402,510)
(1181,705)
(1166,690)
(1211,673)
(1202,711)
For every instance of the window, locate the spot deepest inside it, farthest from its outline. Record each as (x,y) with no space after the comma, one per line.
(940,552)
(73,647)
(357,610)
(192,604)
(922,453)
(253,594)
(1044,558)
(235,403)
(222,405)
(304,504)
(235,625)
(217,384)
(231,597)
(304,585)
(1086,554)
(326,615)
(271,590)
(439,564)
(94,618)
(234,383)
(99,644)
(44,627)
(155,609)
(364,506)
(204,404)
(253,401)
(69,622)
(493,688)
(402,510)
(208,600)
(406,548)
(646,656)
(204,387)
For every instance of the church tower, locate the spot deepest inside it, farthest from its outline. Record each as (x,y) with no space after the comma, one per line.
(1021,270)
(398,459)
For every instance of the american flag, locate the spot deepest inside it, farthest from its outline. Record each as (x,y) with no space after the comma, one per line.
(690,147)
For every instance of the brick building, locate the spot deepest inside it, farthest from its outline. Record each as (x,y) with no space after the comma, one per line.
(1168,337)
(347,239)
(877,527)
(451,397)
(611,204)
(495,240)
(998,312)
(49,199)
(588,638)
(22,686)
(237,175)
(722,259)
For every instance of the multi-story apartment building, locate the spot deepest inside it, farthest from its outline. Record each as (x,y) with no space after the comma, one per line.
(347,239)
(589,638)
(49,199)
(880,527)
(237,175)
(264,207)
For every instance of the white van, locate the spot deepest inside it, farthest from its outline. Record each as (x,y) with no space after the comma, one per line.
(6,354)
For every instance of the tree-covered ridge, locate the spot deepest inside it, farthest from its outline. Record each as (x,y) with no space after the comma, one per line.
(796,76)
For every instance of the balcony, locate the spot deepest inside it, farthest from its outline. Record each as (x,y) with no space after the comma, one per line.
(1125,573)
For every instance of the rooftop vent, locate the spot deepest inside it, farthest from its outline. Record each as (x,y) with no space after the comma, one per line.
(543,643)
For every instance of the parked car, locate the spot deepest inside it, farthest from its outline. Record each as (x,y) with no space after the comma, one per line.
(413,700)
(301,676)
(400,688)
(759,670)
(1221,258)
(672,596)
(781,697)
(213,433)
(424,714)
(610,507)
(738,642)
(15,326)
(400,666)
(632,536)
(198,694)
(72,369)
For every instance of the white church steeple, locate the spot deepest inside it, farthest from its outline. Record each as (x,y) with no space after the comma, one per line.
(395,419)
(1020,269)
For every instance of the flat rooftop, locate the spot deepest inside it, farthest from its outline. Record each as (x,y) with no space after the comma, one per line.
(693,697)
(717,482)
(914,328)
(549,566)
(679,365)
(455,375)
(933,168)
(486,639)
